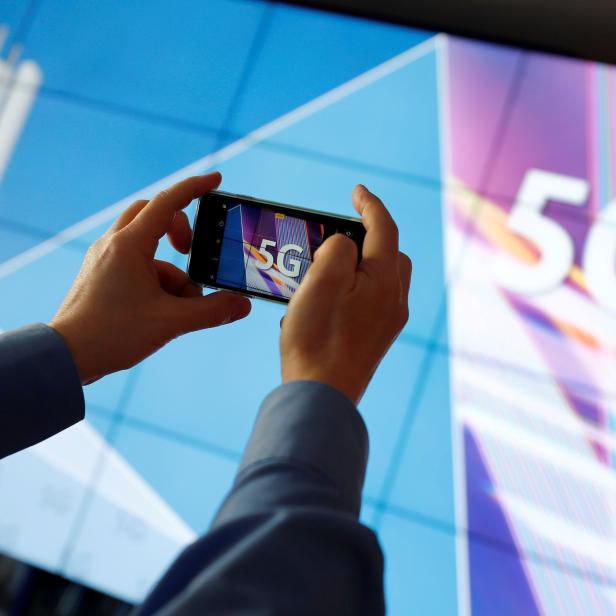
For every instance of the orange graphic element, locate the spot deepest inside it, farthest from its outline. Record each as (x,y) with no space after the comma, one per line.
(491,221)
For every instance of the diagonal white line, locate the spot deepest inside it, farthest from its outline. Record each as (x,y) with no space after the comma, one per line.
(229,151)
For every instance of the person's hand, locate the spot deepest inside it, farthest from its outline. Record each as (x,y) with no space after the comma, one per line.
(125,304)
(344,316)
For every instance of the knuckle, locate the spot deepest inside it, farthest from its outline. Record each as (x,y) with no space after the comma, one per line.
(117,240)
(96,246)
(394,230)
(99,247)
(403,316)
(407,262)
(111,246)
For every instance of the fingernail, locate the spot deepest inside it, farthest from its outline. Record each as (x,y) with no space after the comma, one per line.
(361,192)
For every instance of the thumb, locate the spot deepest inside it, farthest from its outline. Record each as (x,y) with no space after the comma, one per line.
(335,262)
(189,314)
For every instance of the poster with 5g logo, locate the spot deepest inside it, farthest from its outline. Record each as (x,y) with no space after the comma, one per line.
(535,286)
(556,247)
(531,329)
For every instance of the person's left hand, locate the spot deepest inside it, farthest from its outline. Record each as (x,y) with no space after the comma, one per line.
(124,304)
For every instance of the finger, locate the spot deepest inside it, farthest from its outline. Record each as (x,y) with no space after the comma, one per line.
(405,268)
(189,314)
(335,263)
(128,215)
(180,233)
(155,220)
(381,241)
(174,281)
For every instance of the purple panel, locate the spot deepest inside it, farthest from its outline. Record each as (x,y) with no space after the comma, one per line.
(498,582)
(549,124)
(480,77)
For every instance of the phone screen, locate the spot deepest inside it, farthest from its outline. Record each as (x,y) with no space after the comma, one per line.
(259,248)
(266,251)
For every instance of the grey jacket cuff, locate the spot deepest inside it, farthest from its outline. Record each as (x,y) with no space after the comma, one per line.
(40,389)
(316,426)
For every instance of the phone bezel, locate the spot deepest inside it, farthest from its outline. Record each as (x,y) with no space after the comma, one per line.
(306,213)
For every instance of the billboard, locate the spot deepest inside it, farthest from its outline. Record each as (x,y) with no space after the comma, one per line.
(491,477)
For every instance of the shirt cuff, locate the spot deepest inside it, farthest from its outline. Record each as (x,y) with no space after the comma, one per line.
(314,425)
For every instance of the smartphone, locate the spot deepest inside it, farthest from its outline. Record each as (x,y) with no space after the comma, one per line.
(259,248)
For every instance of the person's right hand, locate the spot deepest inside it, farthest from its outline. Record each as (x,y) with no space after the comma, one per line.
(345,316)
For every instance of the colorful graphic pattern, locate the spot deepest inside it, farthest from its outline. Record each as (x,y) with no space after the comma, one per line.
(266,251)
(535,416)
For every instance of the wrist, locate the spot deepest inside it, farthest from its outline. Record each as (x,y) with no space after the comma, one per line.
(347,387)
(71,339)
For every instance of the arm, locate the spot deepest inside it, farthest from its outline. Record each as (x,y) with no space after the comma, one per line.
(40,390)
(123,306)
(287,539)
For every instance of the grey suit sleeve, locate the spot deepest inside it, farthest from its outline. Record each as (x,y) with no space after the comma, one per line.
(287,539)
(40,390)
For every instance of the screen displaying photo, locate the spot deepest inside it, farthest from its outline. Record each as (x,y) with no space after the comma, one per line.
(266,251)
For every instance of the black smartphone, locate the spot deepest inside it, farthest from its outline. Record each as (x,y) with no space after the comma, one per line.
(259,248)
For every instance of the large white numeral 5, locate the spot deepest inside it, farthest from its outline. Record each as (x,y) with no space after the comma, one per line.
(269,258)
(554,243)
